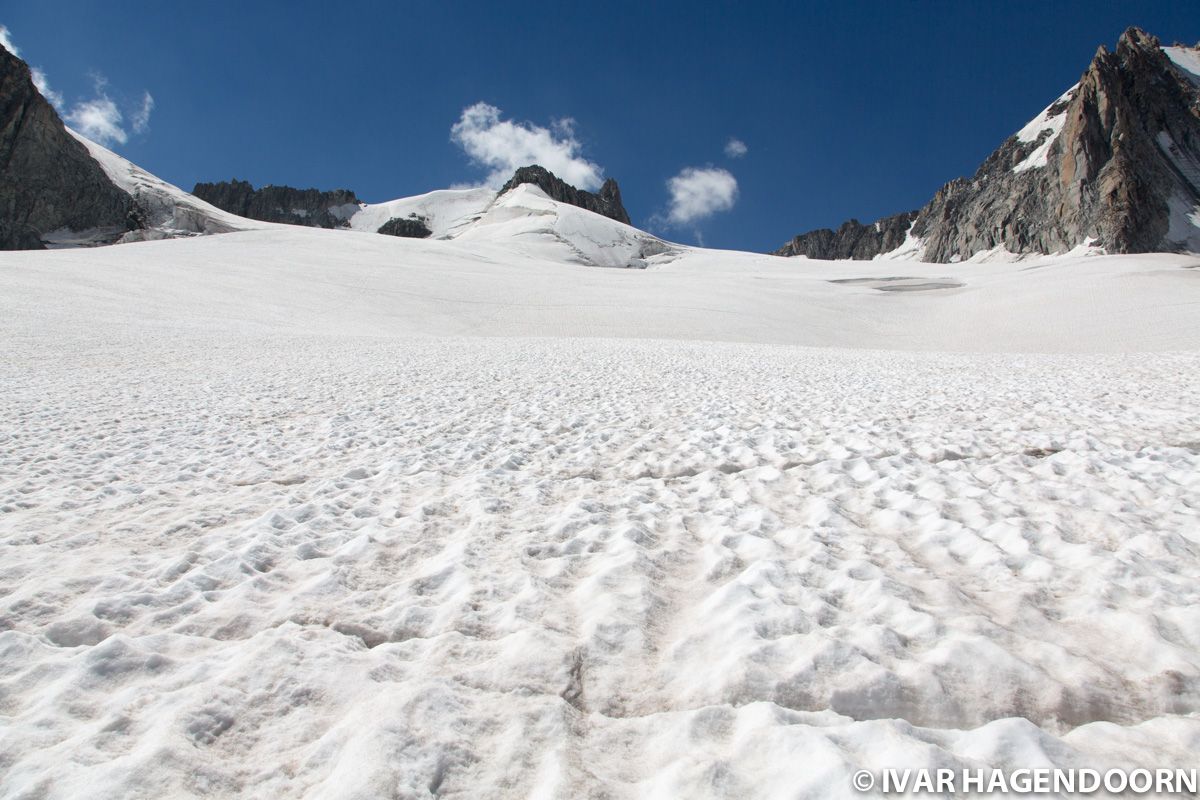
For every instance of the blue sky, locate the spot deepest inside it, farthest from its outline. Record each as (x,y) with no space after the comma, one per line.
(845,109)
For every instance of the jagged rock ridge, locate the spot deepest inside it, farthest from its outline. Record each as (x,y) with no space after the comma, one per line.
(1114,162)
(852,240)
(49,185)
(310,207)
(606,202)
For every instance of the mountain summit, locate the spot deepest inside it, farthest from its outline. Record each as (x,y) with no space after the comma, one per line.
(49,185)
(334,209)
(606,203)
(1114,162)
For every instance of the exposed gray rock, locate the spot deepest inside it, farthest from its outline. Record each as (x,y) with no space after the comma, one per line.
(1125,161)
(852,239)
(413,227)
(19,236)
(607,202)
(48,181)
(311,207)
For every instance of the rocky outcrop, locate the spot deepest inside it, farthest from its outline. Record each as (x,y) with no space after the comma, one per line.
(607,202)
(1114,162)
(852,240)
(311,207)
(48,181)
(413,227)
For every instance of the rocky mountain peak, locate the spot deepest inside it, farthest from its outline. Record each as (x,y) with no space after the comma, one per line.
(50,187)
(606,203)
(1114,162)
(610,193)
(1136,37)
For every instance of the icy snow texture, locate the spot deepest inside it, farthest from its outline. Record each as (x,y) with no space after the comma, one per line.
(302,513)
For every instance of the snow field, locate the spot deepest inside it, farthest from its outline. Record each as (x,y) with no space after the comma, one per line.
(519,282)
(297,513)
(318,566)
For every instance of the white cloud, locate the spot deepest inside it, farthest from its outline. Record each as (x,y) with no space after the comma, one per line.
(697,193)
(43,86)
(6,40)
(98,119)
(141,117)
(504,145)
(735,148)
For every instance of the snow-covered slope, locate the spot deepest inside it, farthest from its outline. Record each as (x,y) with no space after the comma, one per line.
(303,513)
(524,219)
(446,211)
(514,277)
(169,211)
(1044,130)
(1187,59)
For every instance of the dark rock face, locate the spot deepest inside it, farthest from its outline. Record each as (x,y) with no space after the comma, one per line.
(607,202)
(1124,162)
(852,239)
(19,236)
(310,207)
(48,180)
(410,227)
(610,199)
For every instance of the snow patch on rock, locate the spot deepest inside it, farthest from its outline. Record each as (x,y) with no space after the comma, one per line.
(168,209)
(911,249)
(1045,127)
(1188,61)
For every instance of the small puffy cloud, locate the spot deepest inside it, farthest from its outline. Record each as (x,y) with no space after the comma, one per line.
(6,40)
(101,120)
(735,148)
(697,193)
(43,86)
(503,146)
(141,117)
(98,119)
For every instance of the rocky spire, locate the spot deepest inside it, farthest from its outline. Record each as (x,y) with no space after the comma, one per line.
(607,202)
(1114,162)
